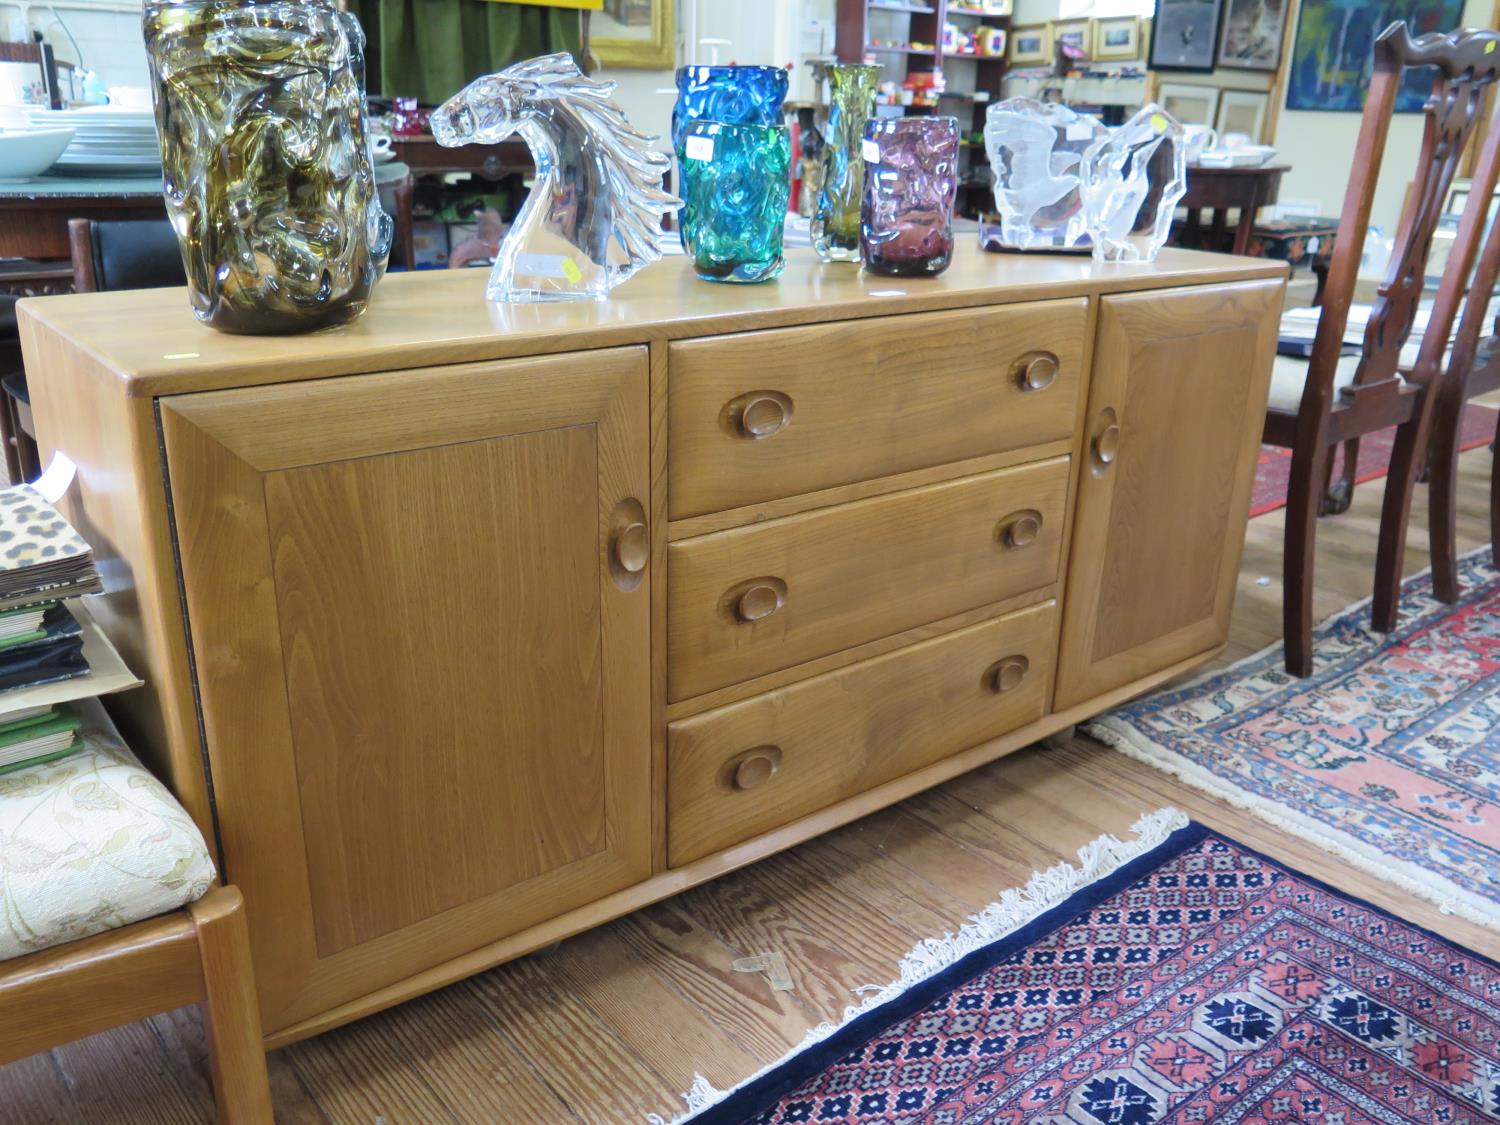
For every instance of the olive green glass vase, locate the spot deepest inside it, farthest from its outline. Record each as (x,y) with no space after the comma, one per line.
(835,224)
(268,171)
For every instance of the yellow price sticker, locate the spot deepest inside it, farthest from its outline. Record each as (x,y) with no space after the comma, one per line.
(1489,48)
(1159,123)
(571,271)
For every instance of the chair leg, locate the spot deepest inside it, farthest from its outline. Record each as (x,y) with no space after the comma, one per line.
(1339,494)
(231,1013)
(1394,516)
(1495,491)
(1442,499)
(1304,492)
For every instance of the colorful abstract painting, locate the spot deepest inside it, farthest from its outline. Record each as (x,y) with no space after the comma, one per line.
(1333,55)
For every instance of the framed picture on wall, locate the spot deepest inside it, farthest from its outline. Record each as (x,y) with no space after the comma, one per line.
(1030,46)
(1242,111)
(1332,63)
(635,33)
(1185,34)
(1251,36)
(1076,34)
(1117,38)
(1191,105)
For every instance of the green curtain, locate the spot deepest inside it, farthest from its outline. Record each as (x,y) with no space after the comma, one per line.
(431,49)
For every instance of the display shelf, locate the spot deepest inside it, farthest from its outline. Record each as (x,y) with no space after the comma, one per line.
(910,9)
(873,49)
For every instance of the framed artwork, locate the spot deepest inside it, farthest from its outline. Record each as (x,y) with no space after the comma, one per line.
(1242,111)
(1191,105)
(1251,36)
(636,33)
(1117,38)
(1332,58)
(1185,34)
(1074,33)
(1030,46)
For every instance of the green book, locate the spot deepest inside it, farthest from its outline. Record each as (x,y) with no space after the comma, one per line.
(72,748)
(28,743)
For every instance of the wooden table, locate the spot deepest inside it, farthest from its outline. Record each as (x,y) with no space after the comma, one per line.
(1219,189)
(34,215)
(426,157)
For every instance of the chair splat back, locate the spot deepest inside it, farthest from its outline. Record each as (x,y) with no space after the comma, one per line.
(1467,64)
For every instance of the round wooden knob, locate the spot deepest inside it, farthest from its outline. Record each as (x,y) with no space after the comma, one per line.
(758,603)
(633,548)
(1107,444)
(756,767)
(1038,371)
(1007,674)
(1023,530)
(761,416)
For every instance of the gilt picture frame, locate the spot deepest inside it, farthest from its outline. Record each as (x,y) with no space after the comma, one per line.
(1030,45)
(1243,111)
(1117,37)
(635,34)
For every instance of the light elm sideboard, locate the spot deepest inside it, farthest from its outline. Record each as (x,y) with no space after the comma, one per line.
(468,627)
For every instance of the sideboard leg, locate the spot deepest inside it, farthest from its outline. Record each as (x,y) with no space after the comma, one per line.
(1060,739)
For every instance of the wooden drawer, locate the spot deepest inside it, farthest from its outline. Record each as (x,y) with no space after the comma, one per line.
(763,415)
(741,770)
(755,599)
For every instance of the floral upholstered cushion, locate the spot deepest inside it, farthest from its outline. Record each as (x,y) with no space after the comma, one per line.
(89,843)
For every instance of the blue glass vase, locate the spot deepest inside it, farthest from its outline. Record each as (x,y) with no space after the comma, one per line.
(735,95)
(736,183)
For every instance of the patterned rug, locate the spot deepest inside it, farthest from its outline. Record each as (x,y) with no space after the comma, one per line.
(1189,980)
(1388,754)
(1274,472)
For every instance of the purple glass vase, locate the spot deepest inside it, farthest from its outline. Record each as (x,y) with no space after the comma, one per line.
(911,182)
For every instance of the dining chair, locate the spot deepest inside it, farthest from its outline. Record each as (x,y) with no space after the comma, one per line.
(1471,369)
(111,915)
(1330,399)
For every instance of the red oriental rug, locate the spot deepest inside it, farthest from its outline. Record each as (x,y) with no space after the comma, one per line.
(1275,469)
(1178,978)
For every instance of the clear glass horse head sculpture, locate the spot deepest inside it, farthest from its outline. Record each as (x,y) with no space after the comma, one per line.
(594,216)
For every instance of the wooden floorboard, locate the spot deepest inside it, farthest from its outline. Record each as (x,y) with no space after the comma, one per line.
(610,1025)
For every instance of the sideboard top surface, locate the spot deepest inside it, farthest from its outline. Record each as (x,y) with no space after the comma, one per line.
(151,340)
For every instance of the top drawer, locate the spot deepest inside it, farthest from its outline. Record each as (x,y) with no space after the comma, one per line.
(764,415)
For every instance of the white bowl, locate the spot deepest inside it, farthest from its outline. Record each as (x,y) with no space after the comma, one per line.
(30,152)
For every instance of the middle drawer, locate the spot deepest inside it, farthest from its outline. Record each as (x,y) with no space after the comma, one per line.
(757,599)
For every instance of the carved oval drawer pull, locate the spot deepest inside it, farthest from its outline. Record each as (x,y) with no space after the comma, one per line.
(759,414)
(1036,371)
(754,768)
(633,548)
(1006,675)
(1107,445)
(759,601)
(1022,529)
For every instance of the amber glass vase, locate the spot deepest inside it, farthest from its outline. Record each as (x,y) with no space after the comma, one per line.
(835,224)
(268,172)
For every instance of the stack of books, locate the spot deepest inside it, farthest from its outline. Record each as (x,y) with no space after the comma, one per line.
(50,652)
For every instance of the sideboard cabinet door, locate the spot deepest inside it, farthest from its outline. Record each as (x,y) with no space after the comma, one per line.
(418,603)
(1176,406)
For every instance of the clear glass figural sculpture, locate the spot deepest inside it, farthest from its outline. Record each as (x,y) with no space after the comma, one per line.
(1036,152)
(593,217)
(1132,181)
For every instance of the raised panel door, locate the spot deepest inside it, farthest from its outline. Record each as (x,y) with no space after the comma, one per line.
(420,625)
(1176,406)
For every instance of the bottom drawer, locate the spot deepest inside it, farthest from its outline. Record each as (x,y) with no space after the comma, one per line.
(741,770)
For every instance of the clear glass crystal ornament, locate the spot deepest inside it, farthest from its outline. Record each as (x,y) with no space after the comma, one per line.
(593,217)
(1132,181)
(1036,154)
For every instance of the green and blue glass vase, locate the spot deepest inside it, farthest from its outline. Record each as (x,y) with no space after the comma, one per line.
(736,186)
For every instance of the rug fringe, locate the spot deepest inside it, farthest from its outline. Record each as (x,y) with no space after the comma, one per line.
(1014,909)
(1449,897)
